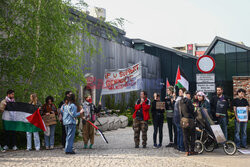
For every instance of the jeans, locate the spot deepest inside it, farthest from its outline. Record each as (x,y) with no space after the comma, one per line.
(180,144)
(223,124)
(63,136)
(36,140)
(172,130)
(240,127)
(158,124)
(70,132)
(49,140)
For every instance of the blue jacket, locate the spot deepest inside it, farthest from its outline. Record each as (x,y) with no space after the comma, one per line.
(69,113)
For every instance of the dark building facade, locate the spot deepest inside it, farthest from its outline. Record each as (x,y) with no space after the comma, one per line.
(232,59)
(170,59)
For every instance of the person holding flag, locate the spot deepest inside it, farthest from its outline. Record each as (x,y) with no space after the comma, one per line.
(10,136)
(90,112)
(34,101)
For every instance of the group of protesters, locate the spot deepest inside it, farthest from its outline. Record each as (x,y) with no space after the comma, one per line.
(181,113)
(67,113)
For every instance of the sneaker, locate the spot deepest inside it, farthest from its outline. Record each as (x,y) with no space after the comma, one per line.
(137,146)
(159,145)
(47,147)
(28,149)
(90,146)
(155,146)
(170,145)
(144,146)
(85,146)
(2,150)
(245,147)
(14,148)
(51,147)
(73,152)
(5,147)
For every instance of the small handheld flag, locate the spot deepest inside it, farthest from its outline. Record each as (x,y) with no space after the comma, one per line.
(99,131)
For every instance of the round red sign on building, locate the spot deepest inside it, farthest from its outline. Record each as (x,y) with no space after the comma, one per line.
(205,64)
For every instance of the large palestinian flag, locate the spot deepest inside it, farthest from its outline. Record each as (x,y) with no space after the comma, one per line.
(24,117)
(181,79)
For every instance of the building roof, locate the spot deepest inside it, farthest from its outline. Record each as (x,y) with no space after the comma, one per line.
(164,48)
(216,39)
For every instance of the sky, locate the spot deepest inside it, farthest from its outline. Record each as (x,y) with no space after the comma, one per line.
(179,22)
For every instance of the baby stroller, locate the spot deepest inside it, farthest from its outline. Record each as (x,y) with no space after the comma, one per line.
(210,135)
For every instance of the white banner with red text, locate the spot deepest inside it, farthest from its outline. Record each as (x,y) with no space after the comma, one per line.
(122,80)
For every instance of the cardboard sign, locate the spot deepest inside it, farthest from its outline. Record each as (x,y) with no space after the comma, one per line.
(160,105)
(218,133)
(49,119)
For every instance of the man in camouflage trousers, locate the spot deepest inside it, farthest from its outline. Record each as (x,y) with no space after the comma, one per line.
(141,117)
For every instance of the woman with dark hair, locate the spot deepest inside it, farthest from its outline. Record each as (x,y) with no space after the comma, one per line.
(48,109)
(169,103)
(158,119)
(70,114)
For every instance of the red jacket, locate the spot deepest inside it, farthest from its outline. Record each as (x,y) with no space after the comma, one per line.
(145,108)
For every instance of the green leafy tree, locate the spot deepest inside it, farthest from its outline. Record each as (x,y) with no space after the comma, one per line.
(43,46)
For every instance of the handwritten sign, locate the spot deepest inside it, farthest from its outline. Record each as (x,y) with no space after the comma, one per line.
(242,114)
(122,80)
(160,105)
(49,119)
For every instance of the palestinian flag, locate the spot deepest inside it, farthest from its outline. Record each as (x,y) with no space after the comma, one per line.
(100,132)
(24,117)
(167,83)
(181,79)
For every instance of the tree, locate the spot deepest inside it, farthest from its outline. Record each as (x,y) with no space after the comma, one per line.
(43,47)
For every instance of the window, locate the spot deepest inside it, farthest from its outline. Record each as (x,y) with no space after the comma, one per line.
(220,61)
(242,68)
(230,62)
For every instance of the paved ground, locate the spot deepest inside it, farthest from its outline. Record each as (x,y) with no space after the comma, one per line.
(121,152)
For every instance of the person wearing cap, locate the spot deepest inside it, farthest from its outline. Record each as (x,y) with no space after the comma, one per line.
(219,106)
(169,104)
(90,112)
(240,126)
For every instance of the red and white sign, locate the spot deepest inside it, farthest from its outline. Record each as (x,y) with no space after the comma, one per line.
(122,80)
(205,64)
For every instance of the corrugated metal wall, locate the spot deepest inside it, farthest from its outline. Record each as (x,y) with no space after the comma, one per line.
(116,56)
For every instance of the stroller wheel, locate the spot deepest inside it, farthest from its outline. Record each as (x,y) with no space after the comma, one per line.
(209,145)
(229,147)
(199,147)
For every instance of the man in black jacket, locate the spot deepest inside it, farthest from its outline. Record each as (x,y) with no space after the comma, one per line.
(219,105)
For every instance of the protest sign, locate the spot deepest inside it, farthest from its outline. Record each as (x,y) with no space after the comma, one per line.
(122,80)
(49,119)
(160,105)
(242,114)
